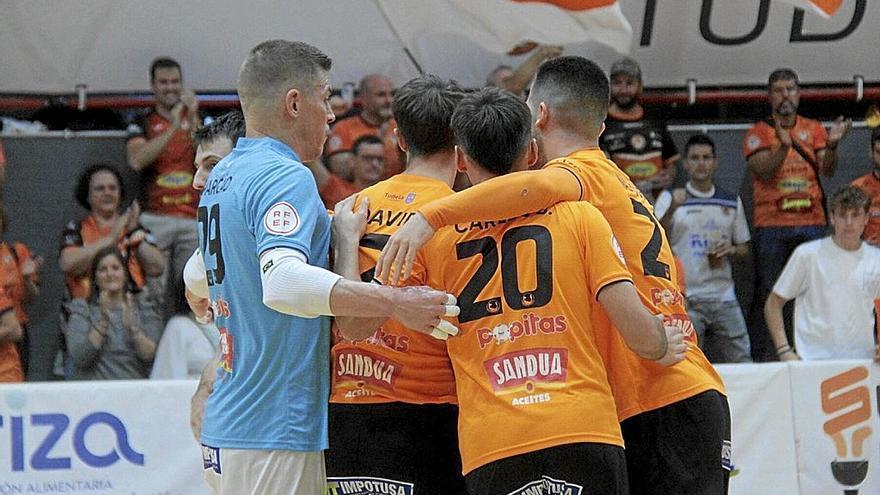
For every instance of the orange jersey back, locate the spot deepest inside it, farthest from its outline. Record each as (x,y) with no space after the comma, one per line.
(528,373)
(344,134)
(395,364)
(871,185)
(640,385)
(793,196)
(12,259)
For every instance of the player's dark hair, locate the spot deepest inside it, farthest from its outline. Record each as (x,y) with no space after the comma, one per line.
(493,127)
(576,89)
(229,125)
(422,109)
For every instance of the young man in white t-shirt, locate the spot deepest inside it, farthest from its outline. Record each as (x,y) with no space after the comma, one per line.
(834,282)
(707,226)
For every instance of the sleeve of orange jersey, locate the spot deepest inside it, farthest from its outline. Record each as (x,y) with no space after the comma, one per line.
(504,197)
(756,139)
(604,258)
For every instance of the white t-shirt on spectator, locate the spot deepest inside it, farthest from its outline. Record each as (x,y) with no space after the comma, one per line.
(705,217)
(834,292)
(184,350)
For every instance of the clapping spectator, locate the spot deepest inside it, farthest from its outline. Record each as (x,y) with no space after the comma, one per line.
(10,335)
(113,334)
(368,169)
(100,191)
(19,279)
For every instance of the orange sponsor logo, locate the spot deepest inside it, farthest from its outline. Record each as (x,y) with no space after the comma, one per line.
(528,369)
(846,399)
(528,325)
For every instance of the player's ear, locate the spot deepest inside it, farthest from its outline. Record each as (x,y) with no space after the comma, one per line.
(460,160)
(601,130)
(292,101)
(533,152)
(401,142)
(543,117)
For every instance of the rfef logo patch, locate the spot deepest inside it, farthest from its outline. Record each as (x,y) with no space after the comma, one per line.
(281,219)
(548,486)
(357,485)
(211,459)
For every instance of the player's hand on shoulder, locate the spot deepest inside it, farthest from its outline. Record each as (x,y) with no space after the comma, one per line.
(396,261)
(349,224)
(423,308)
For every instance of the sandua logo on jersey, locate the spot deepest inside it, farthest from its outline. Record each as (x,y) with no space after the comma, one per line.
(846,398)
(367,486)
(528,371)
(549,486)
(528,325)
(281,219)
(362,365)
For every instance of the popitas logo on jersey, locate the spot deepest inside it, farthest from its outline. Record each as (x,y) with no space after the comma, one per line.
(227,349)
(846,398)
(528,325)
(360,365)
(528,370)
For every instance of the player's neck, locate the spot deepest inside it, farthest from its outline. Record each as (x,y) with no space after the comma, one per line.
(846,243)
(559,143)
(440,166)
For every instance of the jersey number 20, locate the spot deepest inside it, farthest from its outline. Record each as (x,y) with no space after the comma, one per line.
(471,309)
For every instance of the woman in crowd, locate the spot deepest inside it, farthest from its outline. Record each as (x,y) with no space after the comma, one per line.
(186,345)
(113,334)
(100,191)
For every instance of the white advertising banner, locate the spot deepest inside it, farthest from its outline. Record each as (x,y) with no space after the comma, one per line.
(110,438)
(764,456)
(837,429)
(51,46)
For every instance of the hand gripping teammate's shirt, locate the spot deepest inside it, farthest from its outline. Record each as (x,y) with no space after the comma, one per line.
(528,372)
(395,364)
(272,383)
(639,385)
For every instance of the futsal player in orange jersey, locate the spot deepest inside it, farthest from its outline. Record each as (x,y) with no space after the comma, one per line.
(393,392)
(535,292)
(668,451)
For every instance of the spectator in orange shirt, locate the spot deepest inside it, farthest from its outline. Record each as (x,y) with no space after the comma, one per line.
(368,169)
(376,94)
(10,334)
(786,154)
(161,148)
(870,183)
(19,280)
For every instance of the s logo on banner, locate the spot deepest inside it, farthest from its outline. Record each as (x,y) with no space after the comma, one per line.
(846,398)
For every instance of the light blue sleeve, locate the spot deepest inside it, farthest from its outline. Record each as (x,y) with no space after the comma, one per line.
(282,206)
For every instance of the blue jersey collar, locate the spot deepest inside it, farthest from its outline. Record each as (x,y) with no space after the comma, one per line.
(267,142)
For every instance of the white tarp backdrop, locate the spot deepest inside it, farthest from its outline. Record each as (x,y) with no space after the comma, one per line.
(50,46)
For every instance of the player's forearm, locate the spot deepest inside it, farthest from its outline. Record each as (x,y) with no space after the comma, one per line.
(642,331)
(741,250)
(504,197)
(142,154)
(346,264)
(77,260)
